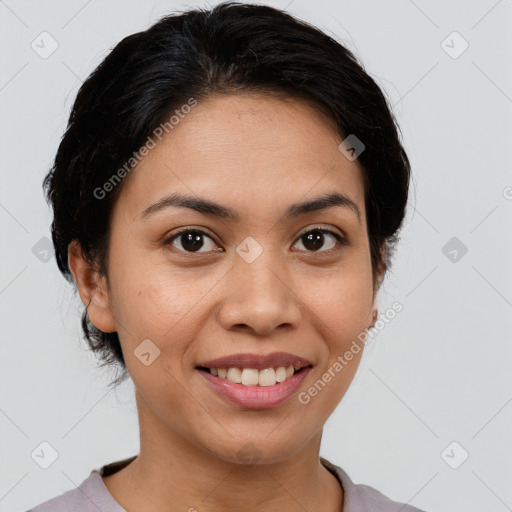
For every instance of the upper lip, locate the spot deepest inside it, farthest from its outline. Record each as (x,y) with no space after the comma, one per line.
(256,361)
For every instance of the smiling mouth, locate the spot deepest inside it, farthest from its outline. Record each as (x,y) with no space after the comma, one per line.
(252,376)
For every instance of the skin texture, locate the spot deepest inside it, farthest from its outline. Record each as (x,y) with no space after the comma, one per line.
(257,155)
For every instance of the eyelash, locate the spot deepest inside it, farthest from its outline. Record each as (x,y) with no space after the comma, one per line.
(341,241)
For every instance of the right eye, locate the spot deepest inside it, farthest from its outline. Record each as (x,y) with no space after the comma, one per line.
(191,240)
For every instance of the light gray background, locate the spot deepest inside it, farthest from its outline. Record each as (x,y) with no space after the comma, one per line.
(438,373)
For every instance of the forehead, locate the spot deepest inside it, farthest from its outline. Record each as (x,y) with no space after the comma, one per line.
(245,151)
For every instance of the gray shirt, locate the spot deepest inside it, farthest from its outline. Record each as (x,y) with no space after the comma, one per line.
(93,496)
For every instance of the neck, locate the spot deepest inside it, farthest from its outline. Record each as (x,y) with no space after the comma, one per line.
(169,470)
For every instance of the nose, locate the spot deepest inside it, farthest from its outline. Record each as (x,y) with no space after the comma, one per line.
(258,299)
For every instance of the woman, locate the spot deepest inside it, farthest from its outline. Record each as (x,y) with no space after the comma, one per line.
(225,198)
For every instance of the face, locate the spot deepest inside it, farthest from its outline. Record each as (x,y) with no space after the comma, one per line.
(257,282)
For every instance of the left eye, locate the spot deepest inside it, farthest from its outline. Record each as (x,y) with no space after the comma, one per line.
(314,239)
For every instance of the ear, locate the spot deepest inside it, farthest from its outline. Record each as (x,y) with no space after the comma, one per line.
(92,289)
(381,269)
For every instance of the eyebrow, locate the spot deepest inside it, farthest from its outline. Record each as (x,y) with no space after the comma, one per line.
(210,208)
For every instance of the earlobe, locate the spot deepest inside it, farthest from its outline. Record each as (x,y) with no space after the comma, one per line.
(92,289)
(375,314)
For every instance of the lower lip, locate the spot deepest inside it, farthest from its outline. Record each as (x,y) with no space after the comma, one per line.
(256,397)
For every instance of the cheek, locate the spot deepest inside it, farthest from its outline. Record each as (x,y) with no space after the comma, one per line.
(140,288)
(154,301)
(340,312)
(339,315)
(155,310)
(341,302)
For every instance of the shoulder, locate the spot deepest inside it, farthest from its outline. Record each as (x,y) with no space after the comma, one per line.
(363,498)
(90,496)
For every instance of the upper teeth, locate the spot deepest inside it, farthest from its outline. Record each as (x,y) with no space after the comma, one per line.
(253,377)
